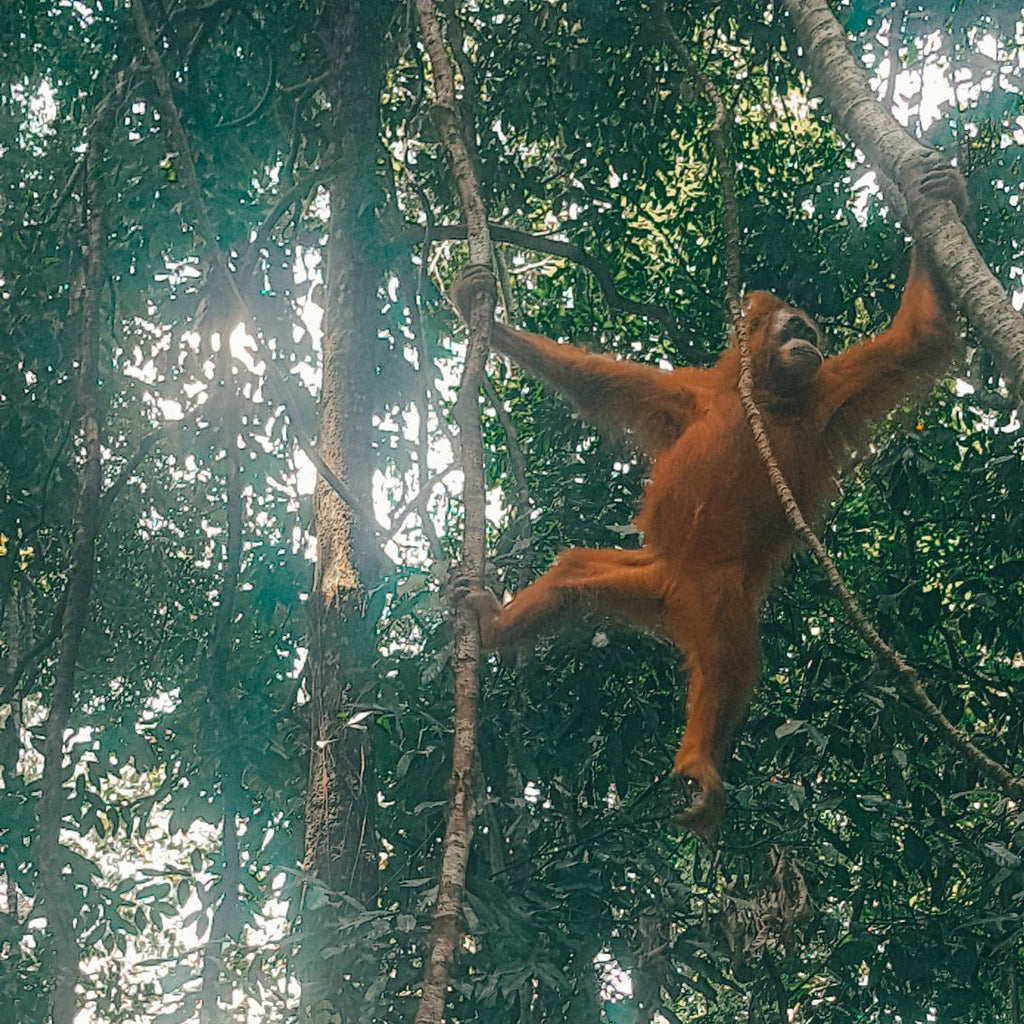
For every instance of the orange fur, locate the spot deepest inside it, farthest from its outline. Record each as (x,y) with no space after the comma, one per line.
(715,533)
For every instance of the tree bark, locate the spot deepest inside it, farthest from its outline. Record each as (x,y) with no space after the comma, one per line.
(444,934)
(56,897)
(340,844)
(889,149)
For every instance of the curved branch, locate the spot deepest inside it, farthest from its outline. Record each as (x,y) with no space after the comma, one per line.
(257,108)
(517,466)
(575,254)
(286,200)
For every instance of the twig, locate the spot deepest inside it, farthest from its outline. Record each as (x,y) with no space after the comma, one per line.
(508,299)
(417,501)
(287,199)
(102,111)
(517,465)
(9,681)
(310,83)
(111,494)
(57,205)
(895,32)
(9,687)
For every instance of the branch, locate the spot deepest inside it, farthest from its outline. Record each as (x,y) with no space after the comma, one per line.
(100,114)
(907,678)
(574,253)
(296,193)
(895,31)
(872,128)
(268,86)
(409,284)
(517,466)
(10,681)
(444,933)
(146,445)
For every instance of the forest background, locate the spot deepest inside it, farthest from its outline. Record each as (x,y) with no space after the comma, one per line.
(226,232)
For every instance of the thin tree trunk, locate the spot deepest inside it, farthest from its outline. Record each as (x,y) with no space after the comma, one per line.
(458,838)
(872,128)
(221,692)
(57,902)
(11,622)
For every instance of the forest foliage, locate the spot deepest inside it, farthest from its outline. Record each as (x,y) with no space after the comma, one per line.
(863,874)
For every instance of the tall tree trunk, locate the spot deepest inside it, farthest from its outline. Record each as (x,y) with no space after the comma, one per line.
(340,846)
(57,900)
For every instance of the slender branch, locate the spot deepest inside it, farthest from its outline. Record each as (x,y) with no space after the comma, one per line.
(10,681)
(101,114)
(895,32)
(65,193)
(410,280)
(670,323)
(310,83)
(146,445)
(278,388)
(36,651)
(417,502)
(268,85)
(517,464)
(909,682)
(296,193)
(40,516)
(444,934)
(508,298)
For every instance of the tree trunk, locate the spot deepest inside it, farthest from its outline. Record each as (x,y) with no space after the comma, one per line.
(340,844)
